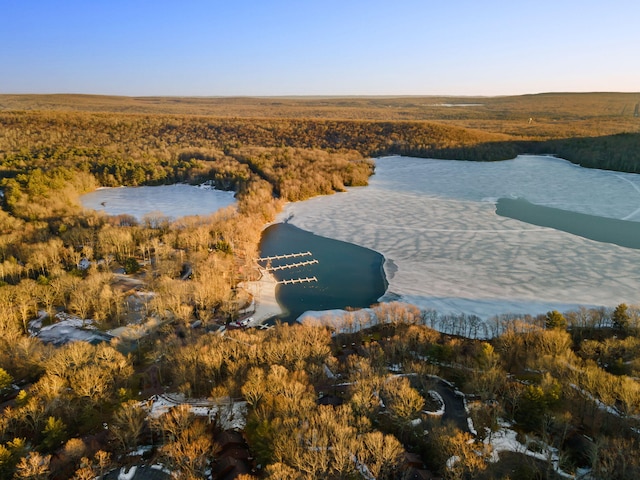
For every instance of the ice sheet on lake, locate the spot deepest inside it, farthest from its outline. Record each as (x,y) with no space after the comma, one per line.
(435,220)
(173,201)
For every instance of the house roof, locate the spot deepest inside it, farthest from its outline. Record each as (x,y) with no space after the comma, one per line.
(228,468)
(229,438)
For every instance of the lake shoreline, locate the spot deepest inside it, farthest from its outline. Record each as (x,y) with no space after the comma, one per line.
(265,298)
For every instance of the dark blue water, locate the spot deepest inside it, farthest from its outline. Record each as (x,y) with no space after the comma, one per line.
(348,275)
(600,229)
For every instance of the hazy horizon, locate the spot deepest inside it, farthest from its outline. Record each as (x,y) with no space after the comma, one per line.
(291,49)
(323,96)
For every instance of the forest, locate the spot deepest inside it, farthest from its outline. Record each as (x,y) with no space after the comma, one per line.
(359,396)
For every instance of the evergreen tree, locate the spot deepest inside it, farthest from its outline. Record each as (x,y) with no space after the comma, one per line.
(620,317)
(555,319)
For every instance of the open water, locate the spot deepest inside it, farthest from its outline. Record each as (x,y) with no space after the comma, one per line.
(347,275)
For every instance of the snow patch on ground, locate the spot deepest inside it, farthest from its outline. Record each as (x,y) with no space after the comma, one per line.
(472,428)
(229,414)
(601,405)
(505,440)
(439,400)
(451,461)
(66,328)
(127,474)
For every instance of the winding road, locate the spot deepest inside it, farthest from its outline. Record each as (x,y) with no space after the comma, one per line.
(454,408)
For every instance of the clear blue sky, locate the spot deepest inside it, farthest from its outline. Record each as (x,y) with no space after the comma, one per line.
(322,47)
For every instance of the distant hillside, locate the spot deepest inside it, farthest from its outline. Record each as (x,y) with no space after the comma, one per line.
(553,106)
(128,133)
(593,129)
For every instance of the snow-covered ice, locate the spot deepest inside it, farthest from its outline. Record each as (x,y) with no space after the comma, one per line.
(446,249)
(172,201)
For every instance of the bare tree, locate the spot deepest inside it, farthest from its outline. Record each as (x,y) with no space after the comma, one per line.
(128,424)
(380,453)
(187,443)
(402,401)
(33,467)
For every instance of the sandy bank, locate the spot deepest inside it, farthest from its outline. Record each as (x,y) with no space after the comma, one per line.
(264,296)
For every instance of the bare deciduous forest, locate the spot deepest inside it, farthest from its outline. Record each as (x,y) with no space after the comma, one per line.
(378,394)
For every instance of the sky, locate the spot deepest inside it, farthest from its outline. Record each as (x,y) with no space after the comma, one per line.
(327,47)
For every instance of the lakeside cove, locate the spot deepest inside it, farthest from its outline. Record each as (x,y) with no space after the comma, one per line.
(347,275)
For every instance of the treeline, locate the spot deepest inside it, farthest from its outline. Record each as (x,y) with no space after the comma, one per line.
(613,112)
(619,152)
(46,275)
(154,149)
(31,138)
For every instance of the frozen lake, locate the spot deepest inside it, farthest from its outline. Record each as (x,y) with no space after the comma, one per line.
(173,201)
(446,249)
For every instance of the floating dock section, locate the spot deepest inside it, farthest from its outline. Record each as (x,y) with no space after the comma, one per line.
(291,265)
(285,266)
(282,257)
(298,280)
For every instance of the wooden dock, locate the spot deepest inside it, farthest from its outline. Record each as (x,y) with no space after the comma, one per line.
(291,281)
(281,257)
(298,280)
(291,265)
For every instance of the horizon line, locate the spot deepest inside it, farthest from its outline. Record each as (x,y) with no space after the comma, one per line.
(300,96)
